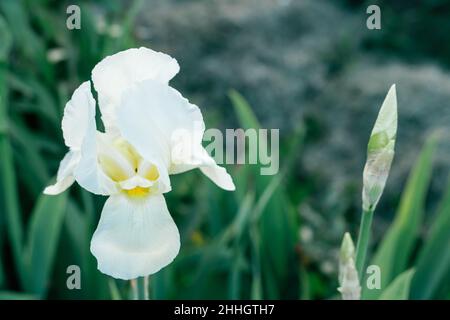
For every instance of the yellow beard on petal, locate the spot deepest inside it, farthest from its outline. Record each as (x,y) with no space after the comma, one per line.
(137,192)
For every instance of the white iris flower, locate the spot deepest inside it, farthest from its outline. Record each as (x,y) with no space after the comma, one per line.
(131,161)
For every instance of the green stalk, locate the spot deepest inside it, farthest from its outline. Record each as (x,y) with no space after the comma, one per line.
(140,288)
(113,290)
(363,241)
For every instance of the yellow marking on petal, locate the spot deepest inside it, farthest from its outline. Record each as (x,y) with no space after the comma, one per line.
(128,152)
(112,168)
(137,192)
(152,173)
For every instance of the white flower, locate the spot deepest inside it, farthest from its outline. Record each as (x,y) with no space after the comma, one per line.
(132,160)
(380,151)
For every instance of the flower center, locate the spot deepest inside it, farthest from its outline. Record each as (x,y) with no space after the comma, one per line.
(137,192)
(123,164)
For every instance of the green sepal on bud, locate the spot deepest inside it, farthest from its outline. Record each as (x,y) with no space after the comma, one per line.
(380,151)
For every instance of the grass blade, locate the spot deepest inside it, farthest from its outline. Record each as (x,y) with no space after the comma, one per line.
(243,111)
(12,218)
(399,287)
(43,235)
(433,263)
(10,295)
(277,229)
(114,290)
(2,272)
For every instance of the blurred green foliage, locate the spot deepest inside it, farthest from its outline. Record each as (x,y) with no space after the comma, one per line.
(411,30)
(241,245)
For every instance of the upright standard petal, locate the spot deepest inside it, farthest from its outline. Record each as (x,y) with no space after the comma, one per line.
(74,124)
(149,117)
(135,237)
(158,112)
(64,177)
(115,74)
(88,172)
(76,116)
(157,120)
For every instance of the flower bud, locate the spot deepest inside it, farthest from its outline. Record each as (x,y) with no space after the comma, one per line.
(350,288)
(346,253)
(348,276)
(380,152)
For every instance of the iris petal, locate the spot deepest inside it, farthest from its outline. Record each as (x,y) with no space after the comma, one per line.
(115,74)
(135,237)
(76,116)
(88,172)
(202,160)
(156,119)
(64,177)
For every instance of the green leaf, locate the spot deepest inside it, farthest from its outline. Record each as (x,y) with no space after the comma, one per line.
(2,272)
(395,248)
(399,288)
(29,159)
(126,40)
(45,226)
(8,180)
(29,44)
(278,224)
(243,111)
(433,263)
(114,290)
(10,295)
(5,44)
(79,233)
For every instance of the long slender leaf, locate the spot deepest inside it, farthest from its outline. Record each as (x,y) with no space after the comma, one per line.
(433,263)
(4,51)
(278,224)
(8,179)
(33,49)
(2,271)
(114,290)
(45,226)
(243,110)
(10,295)
(399,287)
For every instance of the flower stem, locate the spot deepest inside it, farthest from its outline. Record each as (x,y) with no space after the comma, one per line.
(363,241)
(140,288)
